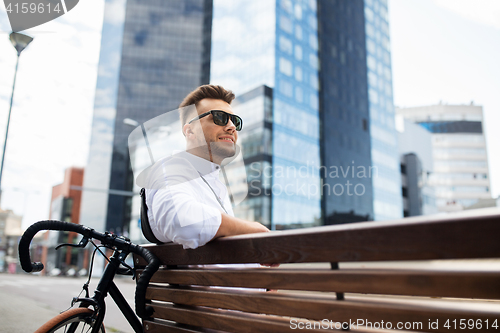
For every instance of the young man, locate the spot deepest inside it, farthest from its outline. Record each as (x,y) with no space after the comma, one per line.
(187,203)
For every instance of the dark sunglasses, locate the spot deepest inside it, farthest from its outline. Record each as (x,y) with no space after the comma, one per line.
(221,118)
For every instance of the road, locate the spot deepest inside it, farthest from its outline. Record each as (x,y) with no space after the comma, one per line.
(27,301)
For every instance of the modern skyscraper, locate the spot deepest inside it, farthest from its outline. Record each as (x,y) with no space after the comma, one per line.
(275,43)
(153,53)
(461,175)
(344,116)
(312,55)
(387,201)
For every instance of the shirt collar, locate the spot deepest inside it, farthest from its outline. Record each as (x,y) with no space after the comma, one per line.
(202,165)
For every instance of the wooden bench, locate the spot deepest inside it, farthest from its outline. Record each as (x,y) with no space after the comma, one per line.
(370,276)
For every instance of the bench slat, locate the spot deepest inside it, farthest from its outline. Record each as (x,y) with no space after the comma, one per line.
(222,320)
(232,321)
(462,284)
(319,307)
(158,326)
(454,236)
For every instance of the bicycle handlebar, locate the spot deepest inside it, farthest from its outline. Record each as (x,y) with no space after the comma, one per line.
(106,239)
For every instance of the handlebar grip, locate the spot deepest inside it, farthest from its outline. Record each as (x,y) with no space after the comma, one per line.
(24,243)
(36,267)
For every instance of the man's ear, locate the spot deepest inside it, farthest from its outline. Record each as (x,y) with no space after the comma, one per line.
(186,130)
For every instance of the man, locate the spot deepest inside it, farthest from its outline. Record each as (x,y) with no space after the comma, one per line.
(187,203)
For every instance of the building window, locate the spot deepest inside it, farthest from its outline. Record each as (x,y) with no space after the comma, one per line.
(285,45)
(286,66)
(298,12)
(373,96)
(314,81)
(299,95)
(298,52)
(313,61)
(313,41)
(286,24)
(298,73)
(287,5)
(298,32)
(286,88)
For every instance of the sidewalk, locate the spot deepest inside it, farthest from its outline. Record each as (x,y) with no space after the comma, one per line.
(27,301)
(20,315)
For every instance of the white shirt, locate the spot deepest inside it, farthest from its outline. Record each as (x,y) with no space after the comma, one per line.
(181,197)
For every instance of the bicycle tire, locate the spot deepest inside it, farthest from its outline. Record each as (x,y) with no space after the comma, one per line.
(73,320)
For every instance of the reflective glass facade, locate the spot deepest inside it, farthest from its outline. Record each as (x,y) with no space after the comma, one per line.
(334,143)
(275,43)
(162,53)
(345,144)
(243,44)
(387,200)
(296,194)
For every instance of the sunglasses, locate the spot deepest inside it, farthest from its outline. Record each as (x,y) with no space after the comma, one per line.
(221,118)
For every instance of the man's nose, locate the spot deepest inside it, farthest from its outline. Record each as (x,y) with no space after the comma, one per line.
(230,125)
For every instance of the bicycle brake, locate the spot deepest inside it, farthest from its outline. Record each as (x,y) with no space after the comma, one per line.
(83,242)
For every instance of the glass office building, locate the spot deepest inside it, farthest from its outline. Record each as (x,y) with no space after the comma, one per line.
(387,199)
(275,43)
(153,53)
(345,122)
(313,54)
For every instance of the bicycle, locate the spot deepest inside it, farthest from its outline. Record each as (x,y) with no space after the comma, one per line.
(89,315)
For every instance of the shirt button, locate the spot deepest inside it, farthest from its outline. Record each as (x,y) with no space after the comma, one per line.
(217,167)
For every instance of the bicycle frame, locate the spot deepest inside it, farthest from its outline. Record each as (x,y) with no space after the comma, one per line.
(106,284)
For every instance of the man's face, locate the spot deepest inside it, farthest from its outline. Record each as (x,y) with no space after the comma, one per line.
(221,140)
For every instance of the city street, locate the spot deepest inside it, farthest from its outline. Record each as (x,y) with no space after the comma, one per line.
(27,301)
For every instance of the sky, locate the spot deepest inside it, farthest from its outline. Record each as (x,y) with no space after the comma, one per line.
(442,50)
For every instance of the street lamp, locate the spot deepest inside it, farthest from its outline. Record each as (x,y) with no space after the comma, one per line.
(19,41)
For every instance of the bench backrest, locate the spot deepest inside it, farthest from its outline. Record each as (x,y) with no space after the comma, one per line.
(404,293)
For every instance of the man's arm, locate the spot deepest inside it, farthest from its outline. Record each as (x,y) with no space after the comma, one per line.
(231,226)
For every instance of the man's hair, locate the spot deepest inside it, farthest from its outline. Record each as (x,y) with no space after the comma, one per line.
(205,91)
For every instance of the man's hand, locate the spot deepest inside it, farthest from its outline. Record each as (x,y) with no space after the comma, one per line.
(270,265)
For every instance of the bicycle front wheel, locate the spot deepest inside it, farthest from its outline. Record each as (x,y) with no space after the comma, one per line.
(71,321)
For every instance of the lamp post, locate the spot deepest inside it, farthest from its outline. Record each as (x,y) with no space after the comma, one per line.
(19,41)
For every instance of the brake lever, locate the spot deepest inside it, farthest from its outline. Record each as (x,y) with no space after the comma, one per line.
(83,242)
(122,262)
